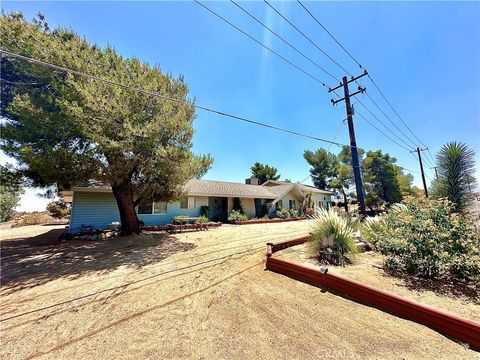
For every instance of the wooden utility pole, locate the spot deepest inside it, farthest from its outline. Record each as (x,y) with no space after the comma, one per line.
(351,131)
(421,169)
(436,171)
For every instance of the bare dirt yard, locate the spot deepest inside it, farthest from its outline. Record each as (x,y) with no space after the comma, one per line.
(201,295)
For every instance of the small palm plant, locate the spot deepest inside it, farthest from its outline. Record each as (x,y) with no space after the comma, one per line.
(456,167)
(332,238)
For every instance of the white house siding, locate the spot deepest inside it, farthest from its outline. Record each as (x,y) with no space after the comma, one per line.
(286,202)
(324,198)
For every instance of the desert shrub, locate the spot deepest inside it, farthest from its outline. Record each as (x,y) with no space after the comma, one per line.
(426,238)
(236,215)
(283,214)
(294,213)
(201,220)
(331,237)
(58,209)
(204,211)
(33,218)
(237,205)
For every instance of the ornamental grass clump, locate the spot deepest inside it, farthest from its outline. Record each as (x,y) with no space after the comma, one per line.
(332,238)
(425,237)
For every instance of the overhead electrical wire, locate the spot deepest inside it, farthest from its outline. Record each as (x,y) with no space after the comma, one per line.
(283,39)
(369,76)
(181,102)
(385,126)
(306,37)
(262,44)
(380,131)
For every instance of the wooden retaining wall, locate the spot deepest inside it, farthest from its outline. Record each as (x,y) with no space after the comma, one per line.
(451,325)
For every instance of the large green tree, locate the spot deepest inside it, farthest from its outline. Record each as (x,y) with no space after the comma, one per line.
(10,190)
(264,172)
(323,166)
(380,178)
(65,128)
(456,168)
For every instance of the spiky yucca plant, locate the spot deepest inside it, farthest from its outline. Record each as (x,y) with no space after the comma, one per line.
(332,233)
(456,167)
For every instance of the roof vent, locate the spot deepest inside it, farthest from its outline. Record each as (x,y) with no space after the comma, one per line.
(252,181)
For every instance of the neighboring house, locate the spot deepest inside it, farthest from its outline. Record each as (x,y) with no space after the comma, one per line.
(94,206)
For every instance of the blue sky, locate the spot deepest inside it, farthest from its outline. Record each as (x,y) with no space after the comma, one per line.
(425,56)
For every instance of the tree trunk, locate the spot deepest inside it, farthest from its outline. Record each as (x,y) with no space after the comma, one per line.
(126,206)
(345,203)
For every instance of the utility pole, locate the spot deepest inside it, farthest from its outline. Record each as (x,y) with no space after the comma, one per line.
(436,171)
(421,169)
(351,131)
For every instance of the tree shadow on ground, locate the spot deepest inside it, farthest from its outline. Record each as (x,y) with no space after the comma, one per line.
(444,287)
(29,262)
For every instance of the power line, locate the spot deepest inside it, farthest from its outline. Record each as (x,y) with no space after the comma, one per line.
(380,131)
(385,126)
(369,76)
(334,138)
(330,34)
(306,37)
(181,102)
(285,41)
(261,44)
(388,117)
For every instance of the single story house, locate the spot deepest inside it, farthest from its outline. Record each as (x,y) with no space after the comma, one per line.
(94,206)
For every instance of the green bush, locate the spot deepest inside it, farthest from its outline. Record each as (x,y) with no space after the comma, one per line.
(293,213)
(331,237)
(283,214)
(424,237)
(201,220)
(58,209)
(237,205)
(236,215)
(204,211)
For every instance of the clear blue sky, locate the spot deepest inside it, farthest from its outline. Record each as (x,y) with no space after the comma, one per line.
(424,55)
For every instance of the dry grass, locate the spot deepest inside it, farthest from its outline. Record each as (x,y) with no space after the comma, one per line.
(206,299)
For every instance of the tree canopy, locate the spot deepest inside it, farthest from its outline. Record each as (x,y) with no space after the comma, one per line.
(380,177)
(10,191)
(64,128)
(264,172)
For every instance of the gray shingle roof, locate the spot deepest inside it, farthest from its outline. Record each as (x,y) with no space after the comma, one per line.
(199,187)
(228,189)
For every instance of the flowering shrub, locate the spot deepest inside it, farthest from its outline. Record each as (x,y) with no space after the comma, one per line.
(424,237)
(283,214)
(293,213)
(236,215)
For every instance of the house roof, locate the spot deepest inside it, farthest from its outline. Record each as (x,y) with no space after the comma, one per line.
(197,187)
(227,189)
(302,187)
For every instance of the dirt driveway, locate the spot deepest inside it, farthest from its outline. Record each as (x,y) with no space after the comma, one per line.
(201,295)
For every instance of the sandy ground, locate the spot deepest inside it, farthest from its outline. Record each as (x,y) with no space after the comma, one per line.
(202,295)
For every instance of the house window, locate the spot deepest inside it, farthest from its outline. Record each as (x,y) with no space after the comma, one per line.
(160,207)
(145,207)
(279,205)
(148,207)
(292,204)
(192,202)
(184,203)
